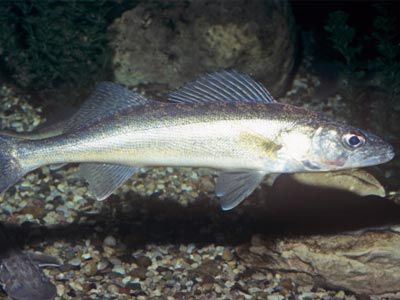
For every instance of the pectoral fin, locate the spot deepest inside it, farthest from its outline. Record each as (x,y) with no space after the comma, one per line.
(233,187)
(104,179)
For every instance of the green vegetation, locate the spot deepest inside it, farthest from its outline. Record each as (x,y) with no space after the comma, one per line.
(376,53)
(342,37)
(43,43)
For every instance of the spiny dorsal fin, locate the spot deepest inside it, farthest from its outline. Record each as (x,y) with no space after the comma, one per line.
(106,99)
(224,86)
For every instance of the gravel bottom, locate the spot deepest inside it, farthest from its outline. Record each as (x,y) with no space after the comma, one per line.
(162,235)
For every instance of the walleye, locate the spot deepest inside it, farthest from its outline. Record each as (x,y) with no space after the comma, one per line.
(225,121)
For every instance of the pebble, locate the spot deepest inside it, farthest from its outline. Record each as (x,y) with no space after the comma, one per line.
(119,269)
(76,286)
(113,289)
(86,256)
(258,276)
(139,273)
(227,254)
(110,241)
(115,261)
(101,265)
(60,290)
(143,261)
(275,297)
(90,268)
(126,280)
(75,262)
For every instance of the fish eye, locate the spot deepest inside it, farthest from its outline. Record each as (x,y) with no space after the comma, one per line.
(353,140)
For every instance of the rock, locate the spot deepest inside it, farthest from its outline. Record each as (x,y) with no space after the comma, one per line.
(170,44)
(90,268)
(110,241)
(76,262)
(227,254)
(209,268)
(143,261)
(364,261)
(119,269)
(101,265)
(139,273)
(356,181)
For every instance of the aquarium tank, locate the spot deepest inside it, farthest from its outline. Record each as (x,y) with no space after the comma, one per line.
(198,149)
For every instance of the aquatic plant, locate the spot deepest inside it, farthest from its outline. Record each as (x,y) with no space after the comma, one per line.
(387,40)
(384,41)
(43,43)
(342,37)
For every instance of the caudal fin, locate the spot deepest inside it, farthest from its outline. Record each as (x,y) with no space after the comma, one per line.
(10,169)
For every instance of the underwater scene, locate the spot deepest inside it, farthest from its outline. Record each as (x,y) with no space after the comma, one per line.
(199,149)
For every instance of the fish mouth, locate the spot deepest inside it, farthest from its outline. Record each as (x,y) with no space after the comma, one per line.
(380,158)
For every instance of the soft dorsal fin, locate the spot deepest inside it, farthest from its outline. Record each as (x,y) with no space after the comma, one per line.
(106,99)
(224,86)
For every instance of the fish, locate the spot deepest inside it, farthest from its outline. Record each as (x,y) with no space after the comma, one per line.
(48,129)
(224,121)
(21,276)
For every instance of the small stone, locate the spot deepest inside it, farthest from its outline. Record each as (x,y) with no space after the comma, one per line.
(143,261)
(110,241)
(86,256)
(126,280)
(75,286)
(139,273)
(275,297)
(60,290)
(101,265)
(115,261)
(90,268)
(209,268)
(227,254)
(119,269)
(259,276)
(134,286)
(113,289)
(75,262)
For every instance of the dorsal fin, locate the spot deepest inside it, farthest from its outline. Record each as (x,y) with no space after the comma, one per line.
(106,99)
(224,86)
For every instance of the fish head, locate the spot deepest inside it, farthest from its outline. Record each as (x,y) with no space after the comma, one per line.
(336,146)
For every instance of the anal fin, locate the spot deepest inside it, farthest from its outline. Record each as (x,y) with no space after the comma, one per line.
(104,179)
(233,187)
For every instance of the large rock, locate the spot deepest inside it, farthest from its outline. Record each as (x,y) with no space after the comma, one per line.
(173,43)
(364,262)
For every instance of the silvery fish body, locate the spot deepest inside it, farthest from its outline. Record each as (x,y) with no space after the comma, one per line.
(224,121)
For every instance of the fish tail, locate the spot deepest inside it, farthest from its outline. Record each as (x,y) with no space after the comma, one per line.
(10,168)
